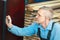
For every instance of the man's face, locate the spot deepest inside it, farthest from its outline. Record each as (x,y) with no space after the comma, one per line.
(40,17)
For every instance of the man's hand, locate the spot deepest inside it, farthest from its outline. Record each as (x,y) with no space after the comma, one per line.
(8,21)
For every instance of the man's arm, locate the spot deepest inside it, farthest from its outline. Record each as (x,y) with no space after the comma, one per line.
(27,31)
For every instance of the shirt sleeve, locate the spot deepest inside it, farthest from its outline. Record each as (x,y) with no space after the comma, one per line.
(26,31)
(57,34)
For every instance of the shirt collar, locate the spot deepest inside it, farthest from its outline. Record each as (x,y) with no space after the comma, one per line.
(49,26)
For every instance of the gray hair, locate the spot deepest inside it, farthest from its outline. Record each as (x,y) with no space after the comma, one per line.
(50,14)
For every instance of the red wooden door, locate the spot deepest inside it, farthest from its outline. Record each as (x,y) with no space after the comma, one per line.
(15,8)
(1,15)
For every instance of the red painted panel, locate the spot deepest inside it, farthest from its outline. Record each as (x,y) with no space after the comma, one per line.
(1,15)
(15,8)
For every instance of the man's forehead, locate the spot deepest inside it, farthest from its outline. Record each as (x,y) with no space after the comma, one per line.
(43,11)
(40,11)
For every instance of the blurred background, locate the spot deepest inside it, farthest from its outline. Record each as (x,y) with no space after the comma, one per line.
(16,11)
(31,6)
(21,14)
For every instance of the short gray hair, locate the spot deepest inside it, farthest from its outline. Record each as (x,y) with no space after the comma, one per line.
(50,14)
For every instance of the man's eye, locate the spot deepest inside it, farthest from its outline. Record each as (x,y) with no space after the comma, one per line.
(39,15)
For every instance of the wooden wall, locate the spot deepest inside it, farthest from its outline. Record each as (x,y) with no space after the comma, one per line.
(15,8)
(1,16)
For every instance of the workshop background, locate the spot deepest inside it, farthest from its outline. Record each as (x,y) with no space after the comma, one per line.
(30,10)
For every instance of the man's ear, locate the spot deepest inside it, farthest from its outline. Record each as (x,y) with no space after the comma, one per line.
(45,17)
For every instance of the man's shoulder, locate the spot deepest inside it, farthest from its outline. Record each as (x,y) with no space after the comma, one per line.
(57,25)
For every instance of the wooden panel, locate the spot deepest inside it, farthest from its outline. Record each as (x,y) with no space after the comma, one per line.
(1,15)
(35,6)
(15,8)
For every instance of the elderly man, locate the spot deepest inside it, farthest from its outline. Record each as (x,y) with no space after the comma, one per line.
(44,26)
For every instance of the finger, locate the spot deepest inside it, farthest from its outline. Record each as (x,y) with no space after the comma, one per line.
(6,21)
(6,17)
(9,17)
